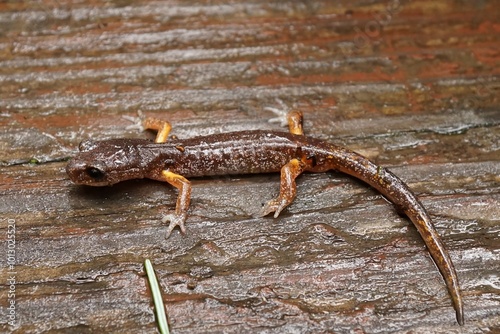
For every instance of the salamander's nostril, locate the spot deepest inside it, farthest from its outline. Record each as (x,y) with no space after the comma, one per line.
(74,169)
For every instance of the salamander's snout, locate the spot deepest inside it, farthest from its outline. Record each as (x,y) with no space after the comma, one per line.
(106,162)
(80,172)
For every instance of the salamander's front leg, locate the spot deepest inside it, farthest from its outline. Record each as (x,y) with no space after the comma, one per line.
(163,128)
(178,218)
(288,188)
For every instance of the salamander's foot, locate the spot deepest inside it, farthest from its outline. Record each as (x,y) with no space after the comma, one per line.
(137,121)
(276,205)
(175,220)
(282,113)
(292,118)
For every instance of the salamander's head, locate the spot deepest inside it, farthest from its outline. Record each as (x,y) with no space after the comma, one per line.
(106,162)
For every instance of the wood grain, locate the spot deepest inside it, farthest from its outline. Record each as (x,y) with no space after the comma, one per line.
(411,84)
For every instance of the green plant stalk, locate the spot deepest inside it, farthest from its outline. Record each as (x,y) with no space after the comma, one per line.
(158,301)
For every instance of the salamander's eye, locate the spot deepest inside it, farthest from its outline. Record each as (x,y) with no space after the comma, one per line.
(95,173)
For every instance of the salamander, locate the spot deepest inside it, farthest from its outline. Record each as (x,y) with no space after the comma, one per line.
(107,162)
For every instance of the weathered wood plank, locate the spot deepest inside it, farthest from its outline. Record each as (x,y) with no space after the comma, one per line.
(413,85)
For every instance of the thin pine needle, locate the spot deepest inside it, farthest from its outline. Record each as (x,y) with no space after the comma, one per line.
(158,301)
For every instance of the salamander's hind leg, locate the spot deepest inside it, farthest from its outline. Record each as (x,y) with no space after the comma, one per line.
(288,188)
(178,218)
(295,119)
(291,118)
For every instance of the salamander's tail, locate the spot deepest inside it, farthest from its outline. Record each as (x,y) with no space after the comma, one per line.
(394,189)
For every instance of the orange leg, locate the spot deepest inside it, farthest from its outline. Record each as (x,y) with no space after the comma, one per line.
(288,188)
(178,218)
(163,128)
(295,119)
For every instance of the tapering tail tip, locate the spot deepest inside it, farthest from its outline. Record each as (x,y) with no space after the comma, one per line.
(460,315)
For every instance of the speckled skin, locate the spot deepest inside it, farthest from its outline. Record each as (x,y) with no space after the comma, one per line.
(111,161)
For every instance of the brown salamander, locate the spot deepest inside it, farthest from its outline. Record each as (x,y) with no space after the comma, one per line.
(110,161)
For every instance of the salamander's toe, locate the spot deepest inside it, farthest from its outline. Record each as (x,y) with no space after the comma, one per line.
(136,121)
(175,220)
(276,205)
(281,119)
(281,113)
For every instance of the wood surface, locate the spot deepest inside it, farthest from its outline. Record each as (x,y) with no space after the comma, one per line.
(414,85)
